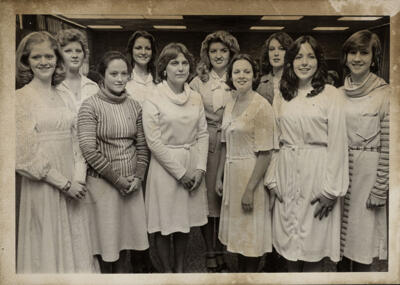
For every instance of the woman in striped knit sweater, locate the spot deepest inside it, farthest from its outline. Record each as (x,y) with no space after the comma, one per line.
(112,141)
(364,224)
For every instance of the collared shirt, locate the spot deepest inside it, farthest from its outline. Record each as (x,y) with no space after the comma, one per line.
(88,88)
(215,94)
(139,89)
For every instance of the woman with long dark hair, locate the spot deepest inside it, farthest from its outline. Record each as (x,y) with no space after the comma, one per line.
(272,62)
(141,53)
(364,225)
(310,171)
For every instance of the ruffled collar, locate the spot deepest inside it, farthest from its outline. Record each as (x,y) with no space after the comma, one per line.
(367,86)
(107,96)
(178,99)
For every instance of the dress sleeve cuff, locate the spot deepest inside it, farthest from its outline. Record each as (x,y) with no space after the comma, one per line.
(55,178)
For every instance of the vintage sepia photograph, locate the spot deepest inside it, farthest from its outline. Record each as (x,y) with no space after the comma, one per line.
(169,145)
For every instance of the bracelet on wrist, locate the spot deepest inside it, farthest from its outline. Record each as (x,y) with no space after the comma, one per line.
(66,187)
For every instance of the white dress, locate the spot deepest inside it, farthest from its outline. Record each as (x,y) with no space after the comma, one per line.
(249,133)
(176,133)
(53,228)
(312,160)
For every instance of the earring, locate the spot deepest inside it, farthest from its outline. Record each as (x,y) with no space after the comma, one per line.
(165,73)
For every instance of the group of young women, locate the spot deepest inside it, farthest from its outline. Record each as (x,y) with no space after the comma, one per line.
(281,160)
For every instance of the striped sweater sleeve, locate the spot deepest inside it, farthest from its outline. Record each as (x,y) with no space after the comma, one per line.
(381,187)
(87,126)
(142,151)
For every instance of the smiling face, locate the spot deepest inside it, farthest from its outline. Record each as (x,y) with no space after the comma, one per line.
(73,55)
(359,62)
(178,70)
(276,54)
(305,64)
(242,75)
(141,51)
(219,55)
(42,61)
(116,76)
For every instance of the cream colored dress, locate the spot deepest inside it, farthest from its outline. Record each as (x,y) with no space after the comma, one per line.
(312,160)
(251,132)
(364,231)
(53,228)
(176,133)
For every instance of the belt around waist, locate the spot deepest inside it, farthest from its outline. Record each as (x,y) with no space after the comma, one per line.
(372,149)
(185,146)
(305,146)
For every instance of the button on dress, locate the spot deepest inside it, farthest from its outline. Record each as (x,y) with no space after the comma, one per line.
(245,136)
(312,160)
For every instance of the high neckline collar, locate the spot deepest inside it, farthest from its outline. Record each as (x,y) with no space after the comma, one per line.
(111,98)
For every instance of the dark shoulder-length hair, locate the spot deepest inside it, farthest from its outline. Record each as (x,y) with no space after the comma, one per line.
(290,82)
(24,73)
(362,40)
(224,37)
(170,52)
(64,37)
(131,43)
(105,61)
(254,65)
(284,39)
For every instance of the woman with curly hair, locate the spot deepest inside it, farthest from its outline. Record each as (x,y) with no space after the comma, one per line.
(53,230)
(216,51)
(271,62)
(74,50)
(364,224)
(247,141)
(310,171)
(141,53)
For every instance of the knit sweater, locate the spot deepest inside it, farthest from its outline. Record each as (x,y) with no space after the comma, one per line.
(111,136)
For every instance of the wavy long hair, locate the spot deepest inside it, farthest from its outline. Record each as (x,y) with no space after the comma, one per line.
(204,66)
(131,42)
(362,40)
(290,82)
(284,39)
(24,73)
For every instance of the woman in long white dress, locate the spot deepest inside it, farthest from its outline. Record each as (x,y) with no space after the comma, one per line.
(53,233)
(248,139)
(176,132)
(364,222)
(216,51)
(310,170)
